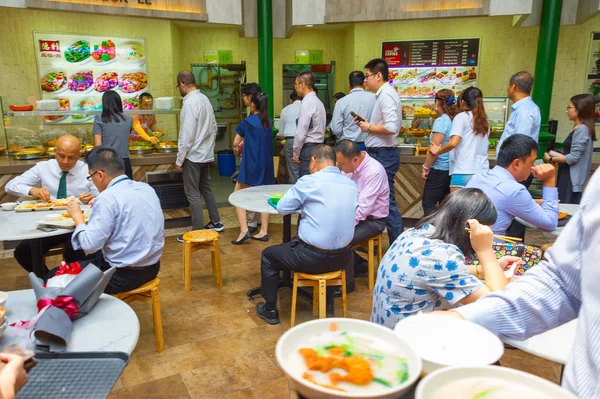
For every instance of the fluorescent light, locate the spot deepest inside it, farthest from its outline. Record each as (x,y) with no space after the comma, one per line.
(309,25)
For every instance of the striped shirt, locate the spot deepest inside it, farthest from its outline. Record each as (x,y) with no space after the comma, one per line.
(558,290)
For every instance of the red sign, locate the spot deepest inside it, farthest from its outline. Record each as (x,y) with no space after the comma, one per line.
(50,45)
(392,54)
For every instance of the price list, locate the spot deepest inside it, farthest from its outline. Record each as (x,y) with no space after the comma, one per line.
(431,53)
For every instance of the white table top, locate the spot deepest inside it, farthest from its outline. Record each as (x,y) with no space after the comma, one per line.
(254,199)
(111,325)
(23,225)
(571,209)
(554,345)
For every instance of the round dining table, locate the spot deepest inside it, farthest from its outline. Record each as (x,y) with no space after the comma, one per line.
(111,325)
(571,209)
(20,226)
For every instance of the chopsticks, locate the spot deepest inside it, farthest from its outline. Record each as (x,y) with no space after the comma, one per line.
(509,239)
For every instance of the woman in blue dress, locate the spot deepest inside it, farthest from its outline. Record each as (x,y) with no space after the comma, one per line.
(256,168)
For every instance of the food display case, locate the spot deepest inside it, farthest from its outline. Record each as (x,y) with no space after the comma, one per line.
(32,134)
(418,115)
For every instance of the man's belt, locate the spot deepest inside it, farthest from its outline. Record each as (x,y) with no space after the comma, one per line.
(309,145)
(324,251)
(377,149)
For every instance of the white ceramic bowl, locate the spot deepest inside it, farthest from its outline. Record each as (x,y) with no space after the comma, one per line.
(298,336)
(52,217)
(3,298)
(9,206)
(443,341)
(434,381)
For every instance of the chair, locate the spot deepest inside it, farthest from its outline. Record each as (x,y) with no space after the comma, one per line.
(319,282)
(148,292)
(195,240)
(373,260)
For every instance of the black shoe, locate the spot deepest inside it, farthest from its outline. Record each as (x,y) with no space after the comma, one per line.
(252,229)
(263,238)
(242,240)
(270,316)
(350,288)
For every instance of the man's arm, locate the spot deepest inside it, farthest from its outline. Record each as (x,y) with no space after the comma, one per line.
(375,185)
(293,199)
(523,123)
(21,186)
(337,121)
(92,236)
(187,130)
(304,118)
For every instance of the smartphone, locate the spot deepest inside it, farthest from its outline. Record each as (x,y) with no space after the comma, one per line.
(357,116)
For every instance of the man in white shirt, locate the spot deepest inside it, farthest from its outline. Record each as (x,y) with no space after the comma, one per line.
(383,129)
(197,134)
(287,129)
(59,178)
(358,101)
(312,121)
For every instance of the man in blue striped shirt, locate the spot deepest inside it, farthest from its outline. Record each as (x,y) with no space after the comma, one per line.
(561,288)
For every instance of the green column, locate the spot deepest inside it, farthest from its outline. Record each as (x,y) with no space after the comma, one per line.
(545,63)
(265,49)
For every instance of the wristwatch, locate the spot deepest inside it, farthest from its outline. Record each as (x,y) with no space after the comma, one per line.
(551,160)
(369,129)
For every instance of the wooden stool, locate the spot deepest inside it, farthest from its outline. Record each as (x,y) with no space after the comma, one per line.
(373,261)
(319,282)
(195,240)
(148,292)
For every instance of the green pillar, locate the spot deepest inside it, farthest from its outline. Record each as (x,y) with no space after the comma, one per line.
(544,65)
(265,49)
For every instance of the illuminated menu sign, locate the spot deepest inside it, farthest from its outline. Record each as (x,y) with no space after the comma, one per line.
(432,53)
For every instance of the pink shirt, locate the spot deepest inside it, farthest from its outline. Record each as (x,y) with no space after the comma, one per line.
(373,189)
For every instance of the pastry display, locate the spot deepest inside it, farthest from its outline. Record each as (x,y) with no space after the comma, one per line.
(133,82)
(106,81)
(104,52)
(81,81)
(78,51)
(54,81)
(408,111)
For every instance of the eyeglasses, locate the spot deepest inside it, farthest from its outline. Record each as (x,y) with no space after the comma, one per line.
(177,85)
(368,75)
(90,176)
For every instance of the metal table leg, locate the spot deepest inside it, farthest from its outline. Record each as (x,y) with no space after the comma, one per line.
(37,258)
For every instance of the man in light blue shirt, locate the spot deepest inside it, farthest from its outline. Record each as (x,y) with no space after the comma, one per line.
(525,117)
(288,121)
(501,185)
(328,200)
(126,226)
(358,101)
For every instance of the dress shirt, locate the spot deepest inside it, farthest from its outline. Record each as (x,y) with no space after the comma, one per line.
(288,120)
(524,119)
(47,174)
(561,288)
(387,111)
(198,129)
(328,200)
(342,123)
(312,121)
(373,189)
(126,223)
(513,200)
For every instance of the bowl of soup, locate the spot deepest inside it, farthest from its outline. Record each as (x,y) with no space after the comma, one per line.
(442,341)
(347,358)
(275,198)
(487,382)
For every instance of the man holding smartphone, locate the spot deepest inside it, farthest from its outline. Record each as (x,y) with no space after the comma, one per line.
(383,129)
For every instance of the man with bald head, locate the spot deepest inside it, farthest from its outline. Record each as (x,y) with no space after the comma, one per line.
(58,178)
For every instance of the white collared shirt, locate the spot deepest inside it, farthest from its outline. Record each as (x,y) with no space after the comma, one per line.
(198,129)
(312,121)
(289,119)
(47,174)
(388,112)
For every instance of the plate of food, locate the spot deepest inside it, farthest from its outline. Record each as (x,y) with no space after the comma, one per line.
(167,146)
(133,82)
(132,54)
(106,81)
(54,82)
(39,205)
(130,104)
(78,52)
(407,77)
(62,220)
(347,358)
(104,53)
(81,82)
(487,382)
(408,111)
(87,104)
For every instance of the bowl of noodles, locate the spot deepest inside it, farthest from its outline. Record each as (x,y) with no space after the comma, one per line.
(347,358)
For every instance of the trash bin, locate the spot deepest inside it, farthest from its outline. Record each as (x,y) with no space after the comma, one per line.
(226,162)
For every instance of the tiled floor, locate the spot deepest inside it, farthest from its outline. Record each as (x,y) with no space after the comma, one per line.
(216,347)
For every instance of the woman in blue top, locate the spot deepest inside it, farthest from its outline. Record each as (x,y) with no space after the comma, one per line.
(436,167)
(425,269)
(256,168)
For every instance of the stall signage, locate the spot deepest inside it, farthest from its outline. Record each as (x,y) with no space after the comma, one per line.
(425,53)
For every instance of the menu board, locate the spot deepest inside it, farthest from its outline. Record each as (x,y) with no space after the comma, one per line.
(593,73)
(420,68)
(77,70)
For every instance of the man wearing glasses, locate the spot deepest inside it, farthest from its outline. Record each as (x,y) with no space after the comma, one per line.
(383,129)
(59,178)
(310,130)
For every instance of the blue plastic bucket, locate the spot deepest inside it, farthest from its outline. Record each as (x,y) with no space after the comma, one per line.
(226,162)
